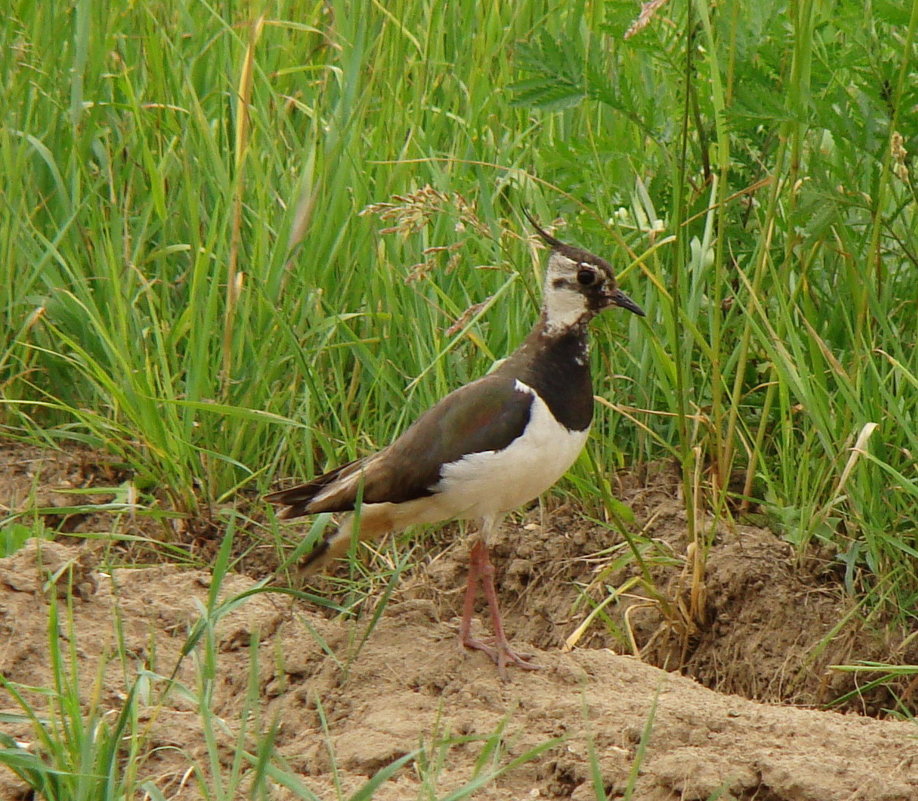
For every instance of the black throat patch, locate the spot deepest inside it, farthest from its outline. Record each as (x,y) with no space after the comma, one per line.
(557,367)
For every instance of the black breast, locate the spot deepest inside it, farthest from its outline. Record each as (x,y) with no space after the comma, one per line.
(558,369)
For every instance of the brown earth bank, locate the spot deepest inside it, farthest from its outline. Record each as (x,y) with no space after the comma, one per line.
(347,700)
(762,623)
(766,624)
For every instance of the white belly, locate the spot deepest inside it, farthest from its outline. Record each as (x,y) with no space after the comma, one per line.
(492,482)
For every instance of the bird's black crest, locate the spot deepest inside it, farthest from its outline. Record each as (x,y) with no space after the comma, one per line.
(549,239)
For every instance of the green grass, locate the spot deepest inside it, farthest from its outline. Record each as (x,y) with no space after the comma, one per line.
(196,274)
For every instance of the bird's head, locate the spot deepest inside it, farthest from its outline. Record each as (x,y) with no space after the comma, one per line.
(578,284)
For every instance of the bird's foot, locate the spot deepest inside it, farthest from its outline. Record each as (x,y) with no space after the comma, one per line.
(502,655)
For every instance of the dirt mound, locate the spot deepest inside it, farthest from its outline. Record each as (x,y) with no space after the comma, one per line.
(349,696)
(346,696)
(773,624)
(43,479)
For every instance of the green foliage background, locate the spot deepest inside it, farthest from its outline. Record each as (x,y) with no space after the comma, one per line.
(191,277)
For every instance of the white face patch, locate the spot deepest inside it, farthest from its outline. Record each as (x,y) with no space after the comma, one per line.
(564,304)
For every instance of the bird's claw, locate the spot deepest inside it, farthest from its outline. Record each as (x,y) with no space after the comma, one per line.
(502,655)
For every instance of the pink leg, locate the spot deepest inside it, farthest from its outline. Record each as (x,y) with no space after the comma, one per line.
(481,570)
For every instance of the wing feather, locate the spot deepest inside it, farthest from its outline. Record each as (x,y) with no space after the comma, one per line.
(486,415)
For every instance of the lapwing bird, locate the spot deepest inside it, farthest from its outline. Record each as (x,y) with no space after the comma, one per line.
(486,448)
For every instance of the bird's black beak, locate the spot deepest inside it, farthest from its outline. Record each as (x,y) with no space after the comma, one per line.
(619,298)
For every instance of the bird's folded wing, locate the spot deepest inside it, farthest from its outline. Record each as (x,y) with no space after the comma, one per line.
(486,415)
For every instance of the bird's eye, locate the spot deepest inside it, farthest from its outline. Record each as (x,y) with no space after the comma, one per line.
(585,276)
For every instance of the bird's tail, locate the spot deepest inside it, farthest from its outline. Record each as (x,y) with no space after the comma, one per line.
(336,491)
(375,521)
(298,499)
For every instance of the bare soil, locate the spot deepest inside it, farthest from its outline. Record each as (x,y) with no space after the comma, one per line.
(724,719)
